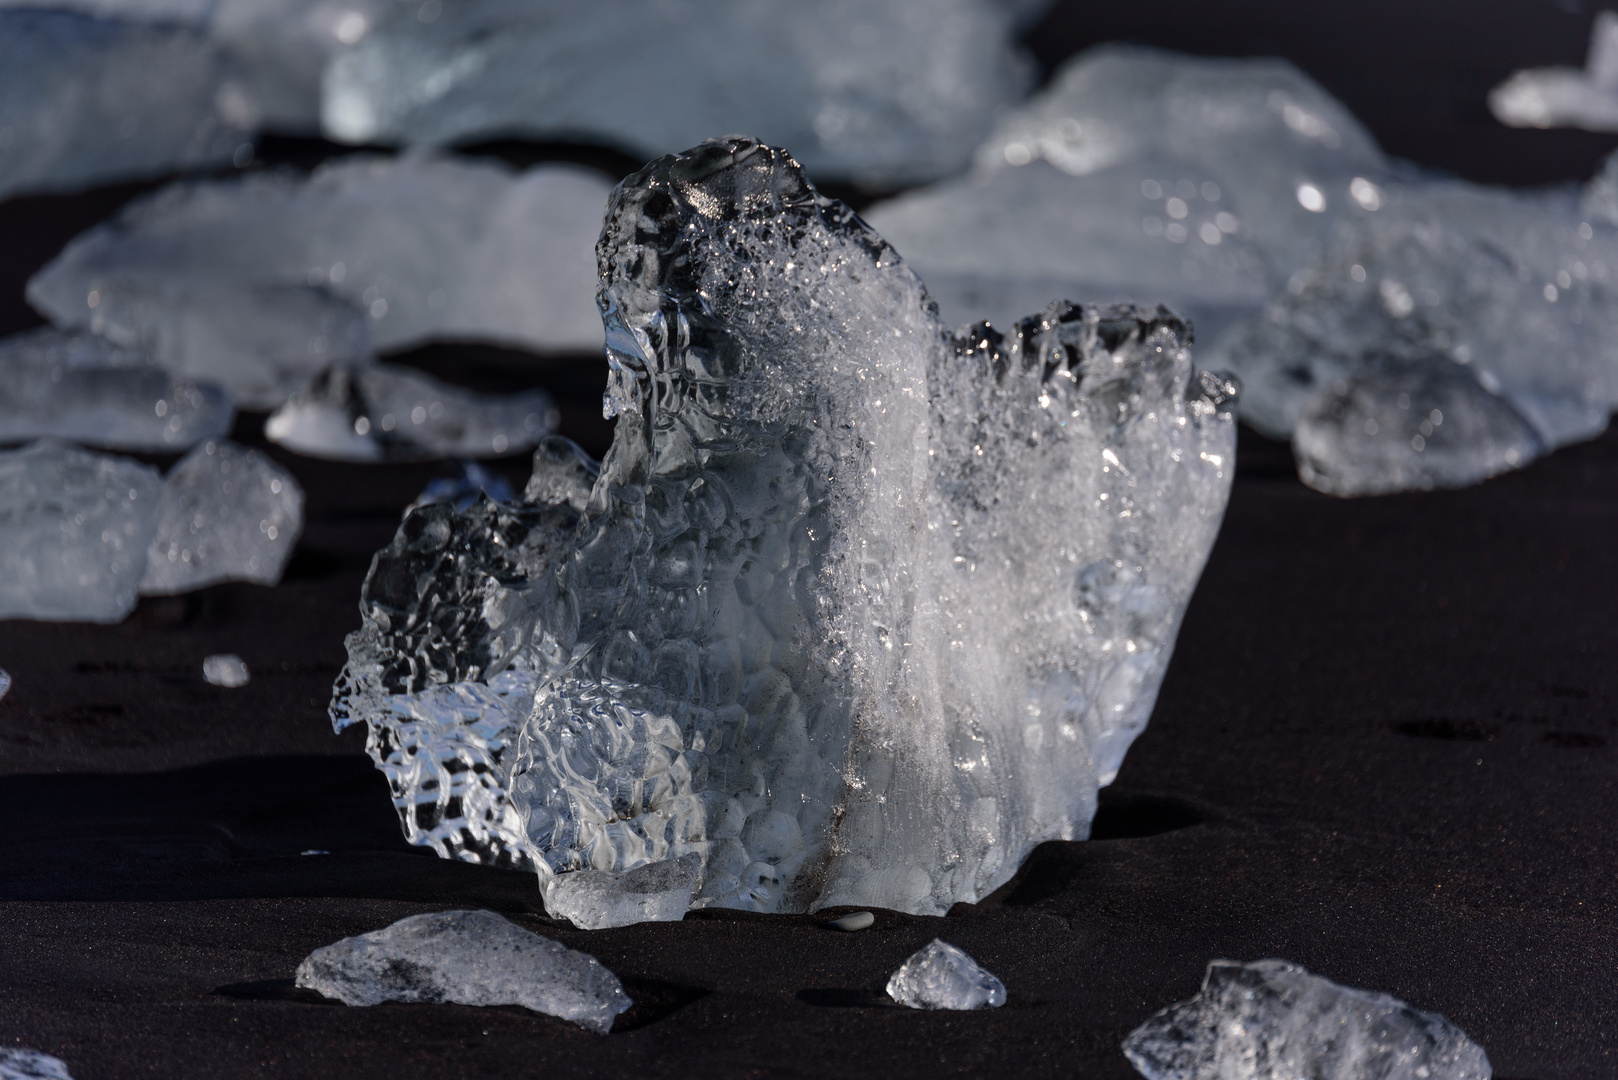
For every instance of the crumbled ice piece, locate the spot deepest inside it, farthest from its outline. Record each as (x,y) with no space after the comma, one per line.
(55,389)
(563,473)
(365,253)
(856,611)
(878,91)
(229,514)
(81,105)
(1492,309)
(469,484)
(598,899)
(19,1064)
(466,958)
(73,532)
(1271,1020)
(5,682)
(1566,97)
(1140,175)
(941,976)
(227,670)
(388,413)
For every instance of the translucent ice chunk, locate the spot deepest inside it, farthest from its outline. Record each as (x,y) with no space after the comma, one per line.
(941,976)
(1140,175)
(1271,1020)
(1566,97)
(227,670)
(73,532)
(878,91)
(388,413)
(466,958)
(54,386)
(856,611)
(471,482)
(598,899)
(364,253)
(229,514)
(19,1064)
(5,682)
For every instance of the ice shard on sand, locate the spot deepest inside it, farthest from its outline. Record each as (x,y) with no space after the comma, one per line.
(856,611)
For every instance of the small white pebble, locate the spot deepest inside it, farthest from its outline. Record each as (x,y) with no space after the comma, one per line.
(225,669)
(855,920)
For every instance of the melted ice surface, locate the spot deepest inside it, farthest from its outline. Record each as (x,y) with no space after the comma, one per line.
(1271,1020)
(855,612)
(941,976)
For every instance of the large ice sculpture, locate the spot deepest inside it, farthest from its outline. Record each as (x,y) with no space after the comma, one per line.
(1563,96)
(855,611)
(73,532)
(1271,1020)
(365,253)
(1449,332)
(879,91)
(1141,175)
(468,958)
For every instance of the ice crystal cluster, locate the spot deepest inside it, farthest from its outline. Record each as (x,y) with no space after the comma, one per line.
(1271,1020)
(468,958)
(855,611)
(942,976)
(1566,97)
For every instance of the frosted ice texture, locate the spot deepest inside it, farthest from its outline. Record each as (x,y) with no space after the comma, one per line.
(228,514)
(1140,175)
(387,413)
(227,670)
(857,612)
(365,253)
(884,92)
(1566,97)
(466,958)
(19,1064)
(1271,1020)
(80,104)
(1448,334)
(942,976)
(84,388)
(74,527)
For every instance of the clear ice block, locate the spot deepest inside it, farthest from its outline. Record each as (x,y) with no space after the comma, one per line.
(227,670)
(229,514)
(941,976)
(17,1063)
(1271,1020)
(387,413)
(84,388)
(74,527)
(883,92)
(466,958)
(1566,97)
(856,611)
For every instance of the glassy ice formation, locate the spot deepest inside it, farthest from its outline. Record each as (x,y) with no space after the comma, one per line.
(1566,97)
(1140,175)
(383,412)
(883,92)
(259,282)
(942,976)
(469,484)
(74,527)
(466,958)
(84,388)
(1271,1020)
(19,1064)
(228,514)
(227,670)
(854,612)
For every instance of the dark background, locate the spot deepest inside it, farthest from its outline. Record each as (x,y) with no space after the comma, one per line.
(1384,749)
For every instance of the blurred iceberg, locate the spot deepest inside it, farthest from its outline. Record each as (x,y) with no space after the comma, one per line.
(1563,96)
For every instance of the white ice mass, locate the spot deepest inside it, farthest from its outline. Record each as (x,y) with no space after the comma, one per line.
(856,611)
(941,976)
(466,958)
(227,670)
(1566,97)
(259,282)
(17,1063)
(1271,1020)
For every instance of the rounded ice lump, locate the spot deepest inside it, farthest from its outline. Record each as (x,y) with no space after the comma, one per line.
(855,612)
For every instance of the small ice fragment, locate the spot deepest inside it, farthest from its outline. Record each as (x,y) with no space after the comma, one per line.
(598,899)
(471,482)
(466,958)
(1563,96)
(229,514)
(1271,1020)
(563,473)
(854,920)
(942,976)
(74,527)
(385,412)
(19,1064)
(5,682)
(227,670)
